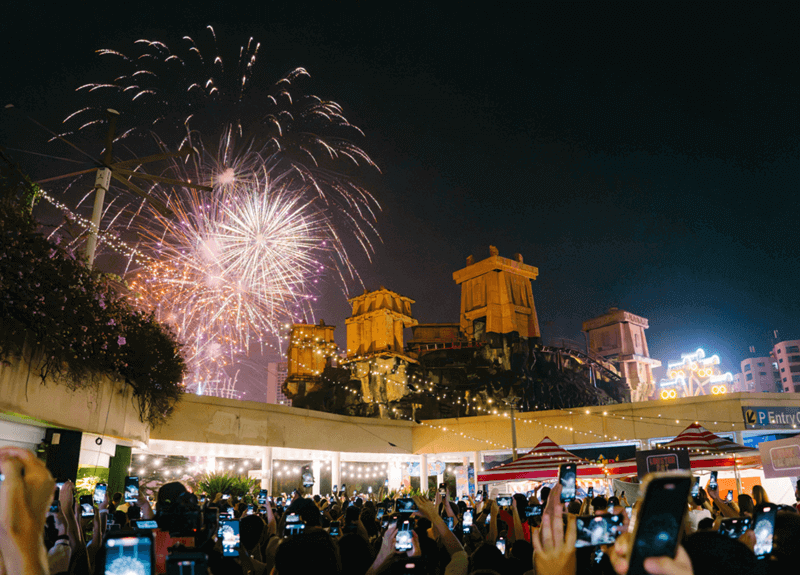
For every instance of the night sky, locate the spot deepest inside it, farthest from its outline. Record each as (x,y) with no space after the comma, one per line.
(641,155)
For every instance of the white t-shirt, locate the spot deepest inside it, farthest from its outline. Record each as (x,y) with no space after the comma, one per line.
(697,515)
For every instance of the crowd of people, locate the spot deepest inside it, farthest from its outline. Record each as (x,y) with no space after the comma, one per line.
(363,535)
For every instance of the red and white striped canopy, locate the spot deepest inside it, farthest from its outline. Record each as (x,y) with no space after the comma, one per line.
(706,451)
(540,463)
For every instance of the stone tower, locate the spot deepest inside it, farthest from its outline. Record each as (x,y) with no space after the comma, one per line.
(619,337)
(310,349)
(377,323)
(496,297)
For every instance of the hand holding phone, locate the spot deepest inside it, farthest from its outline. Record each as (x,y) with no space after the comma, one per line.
(658,523)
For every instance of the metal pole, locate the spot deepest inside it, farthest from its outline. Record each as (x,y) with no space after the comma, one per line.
(513,435)
(101,184)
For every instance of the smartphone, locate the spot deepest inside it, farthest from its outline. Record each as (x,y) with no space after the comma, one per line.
(380,513)
(479,496)
(308,479)
(355,492)
(294,525)
(228,533)
(696,488)
(262,497)
(442,489)
(451,522)
(55,506)
(764,522)
(251,509)
(335,530)
(501,545)
(590,492)
(59,485)
(403,540)
(658,522)
(146,524)
(598,529)
(343,489)
(129,553)
(532,512)
(735,527)
(406,505)
(466,521)
(100,493)
(567,475)
(187,563)
(334,491)
(729,496)
(712,483)
(504,500)
(131,489)
(87,506)
(369,489)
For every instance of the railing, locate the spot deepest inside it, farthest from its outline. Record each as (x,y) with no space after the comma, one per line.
(575,349)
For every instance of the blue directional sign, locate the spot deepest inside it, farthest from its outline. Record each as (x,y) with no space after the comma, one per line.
(771,417)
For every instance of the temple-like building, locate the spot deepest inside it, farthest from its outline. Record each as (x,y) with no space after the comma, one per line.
(492,358)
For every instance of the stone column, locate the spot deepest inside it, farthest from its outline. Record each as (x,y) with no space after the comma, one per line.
(336,467)
(477,466)
(316,469)
(395,476)
(266,469)
(423,473)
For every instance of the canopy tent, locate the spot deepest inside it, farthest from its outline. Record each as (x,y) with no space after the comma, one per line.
(706,451)
(541,463)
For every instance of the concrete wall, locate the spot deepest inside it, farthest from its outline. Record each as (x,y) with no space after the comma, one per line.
(216,420)
(107,409)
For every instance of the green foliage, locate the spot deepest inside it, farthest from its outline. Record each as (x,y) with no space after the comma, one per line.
(73,325)
(237,485)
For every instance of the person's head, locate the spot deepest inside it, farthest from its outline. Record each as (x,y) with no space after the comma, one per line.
(713,552)
(355,553)
(759,495)
(613,501)
(706,524)
(250,528)
(307,510)
(599,504)
(574,507)
(169,494)
(487,556)
(521,502)
(522,551)
(116,498)
(121,519)
(311,552)
(544,494)
(746,504)
(352,514)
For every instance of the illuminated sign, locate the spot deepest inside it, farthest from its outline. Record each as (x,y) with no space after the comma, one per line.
(694,374)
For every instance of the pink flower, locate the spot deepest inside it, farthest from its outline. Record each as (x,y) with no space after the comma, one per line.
(121,340)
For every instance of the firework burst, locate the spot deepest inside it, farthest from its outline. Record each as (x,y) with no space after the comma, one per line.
(233,264)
